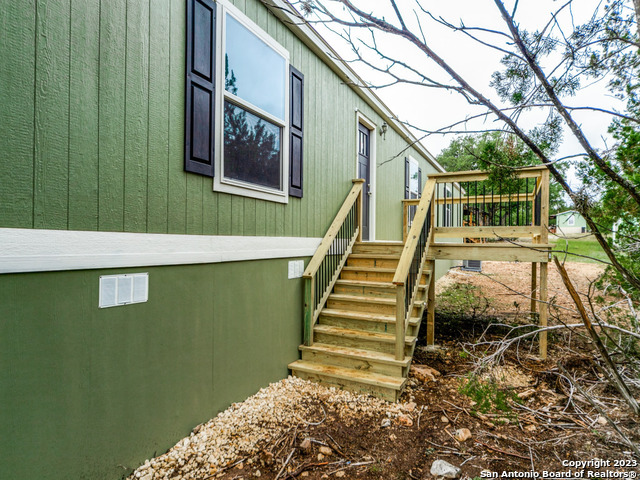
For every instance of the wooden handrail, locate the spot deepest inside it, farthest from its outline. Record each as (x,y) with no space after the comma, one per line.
(326,242)
(486,199)
(478,175)
(406,257)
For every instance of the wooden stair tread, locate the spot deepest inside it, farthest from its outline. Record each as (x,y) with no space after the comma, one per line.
(351,374)
(370,269)
(355,315)
(361,334)
(357,353)
(370,283)
(381,244)
(381,256)
(365,299)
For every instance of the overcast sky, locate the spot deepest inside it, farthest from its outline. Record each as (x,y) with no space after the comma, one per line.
(435,108)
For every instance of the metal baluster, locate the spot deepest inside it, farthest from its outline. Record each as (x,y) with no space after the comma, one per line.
(518,210)
(510,209)
(475,206)
(500,203)
(526,203)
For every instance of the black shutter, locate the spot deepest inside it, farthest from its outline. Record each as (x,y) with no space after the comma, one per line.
(419,183)
(200,100)
(407,170)
(296,121)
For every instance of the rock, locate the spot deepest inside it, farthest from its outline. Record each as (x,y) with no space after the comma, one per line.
(405,420)
(340,473)
(392,437)
(444,419)
(424,373)
(325,450)
(320,457)
(257,473)
(530,428)
(148,476)
(601,420)
(410,407)
(462,434)
(304,474)
(440,468)
(306,444)
(386,423)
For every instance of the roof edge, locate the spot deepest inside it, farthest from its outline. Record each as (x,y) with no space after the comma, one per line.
(286,12)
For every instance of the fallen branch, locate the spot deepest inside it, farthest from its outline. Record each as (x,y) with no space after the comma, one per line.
(601,411)
(495,449)
(285,463)
(612,370)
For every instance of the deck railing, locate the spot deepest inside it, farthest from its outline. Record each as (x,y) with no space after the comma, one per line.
(408,275)
(324,268)
(472,205)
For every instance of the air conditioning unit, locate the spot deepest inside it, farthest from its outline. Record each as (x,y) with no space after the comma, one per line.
(472,265)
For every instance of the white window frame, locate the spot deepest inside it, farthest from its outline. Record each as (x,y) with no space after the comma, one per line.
(228,185)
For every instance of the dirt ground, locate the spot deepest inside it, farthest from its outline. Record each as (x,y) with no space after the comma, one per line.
(520,415)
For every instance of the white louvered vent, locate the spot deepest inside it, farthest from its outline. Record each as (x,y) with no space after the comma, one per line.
(116,290)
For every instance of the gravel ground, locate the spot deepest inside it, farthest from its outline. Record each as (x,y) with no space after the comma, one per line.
(245,428)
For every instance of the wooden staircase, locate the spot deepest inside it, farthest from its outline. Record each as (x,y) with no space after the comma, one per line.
(353,342)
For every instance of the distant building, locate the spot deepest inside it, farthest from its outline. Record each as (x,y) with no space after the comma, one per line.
(569,222)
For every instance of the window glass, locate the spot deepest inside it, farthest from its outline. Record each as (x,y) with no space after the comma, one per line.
(251,148)
(253,70)
(414,185)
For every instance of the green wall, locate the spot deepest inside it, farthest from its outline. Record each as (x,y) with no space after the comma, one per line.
(563,218)
(92,108)
(85,390)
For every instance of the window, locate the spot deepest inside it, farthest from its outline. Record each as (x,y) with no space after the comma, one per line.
(414,178)
(447,214)
(412,184)
(238,105)
(255,98)
(571,220)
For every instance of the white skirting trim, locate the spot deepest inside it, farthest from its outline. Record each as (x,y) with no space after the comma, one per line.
(31,250)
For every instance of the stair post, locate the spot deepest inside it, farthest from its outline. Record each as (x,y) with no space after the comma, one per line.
(359,208)
(400,331)
(431,303)
(309,303)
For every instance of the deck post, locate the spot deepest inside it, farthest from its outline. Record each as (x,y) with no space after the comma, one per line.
(309,305)
(534,286)
(431,304)
(544,309)
(359,209)
(400,312)
(544,238)
(405,221)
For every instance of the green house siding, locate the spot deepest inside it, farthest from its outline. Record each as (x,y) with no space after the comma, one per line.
(86,390)
(92,101)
